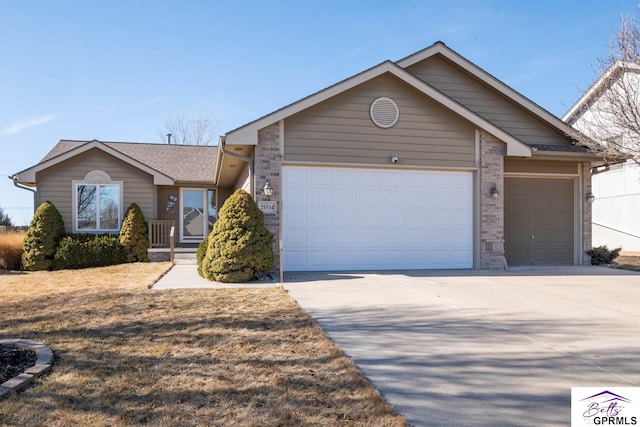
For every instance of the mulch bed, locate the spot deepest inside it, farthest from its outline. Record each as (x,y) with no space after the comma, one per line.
(14,361)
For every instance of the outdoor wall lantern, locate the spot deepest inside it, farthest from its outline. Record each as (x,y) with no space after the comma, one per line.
(495,193)
(590,197)
(267,190)
(394,158)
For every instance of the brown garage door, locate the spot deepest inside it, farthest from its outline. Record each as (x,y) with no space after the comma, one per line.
(539,221)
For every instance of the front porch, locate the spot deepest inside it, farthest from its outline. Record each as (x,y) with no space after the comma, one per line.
(164,244)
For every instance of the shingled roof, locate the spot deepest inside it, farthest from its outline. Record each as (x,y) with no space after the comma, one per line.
(183,163)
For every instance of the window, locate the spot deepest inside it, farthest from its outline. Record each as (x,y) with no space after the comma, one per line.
(97,203)
(198,213)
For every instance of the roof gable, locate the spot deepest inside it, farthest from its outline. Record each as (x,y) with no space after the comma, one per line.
(453,57)
(168,164)
(248,134)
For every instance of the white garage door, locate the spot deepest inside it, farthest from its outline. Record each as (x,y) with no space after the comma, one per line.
(349,219)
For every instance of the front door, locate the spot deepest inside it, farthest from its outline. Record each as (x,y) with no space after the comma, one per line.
(193,216)
(539,221)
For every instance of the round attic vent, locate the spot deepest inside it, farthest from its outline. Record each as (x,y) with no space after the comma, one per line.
(384,112)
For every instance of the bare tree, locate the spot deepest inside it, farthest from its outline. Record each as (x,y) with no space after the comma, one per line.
(5,219)
(197,129)
(608,116)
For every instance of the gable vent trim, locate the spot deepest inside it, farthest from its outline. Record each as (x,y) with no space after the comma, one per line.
(384,112)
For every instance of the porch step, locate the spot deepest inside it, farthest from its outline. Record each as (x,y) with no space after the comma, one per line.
(184,257)
(180,255)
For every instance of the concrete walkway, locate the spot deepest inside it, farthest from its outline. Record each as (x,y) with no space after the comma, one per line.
(185,276)
(474,348)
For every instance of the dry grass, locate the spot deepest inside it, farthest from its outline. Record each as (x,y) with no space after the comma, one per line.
(628,261)
(11,250)
(126,355)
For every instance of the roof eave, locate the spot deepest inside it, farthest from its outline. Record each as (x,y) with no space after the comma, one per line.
(29,175)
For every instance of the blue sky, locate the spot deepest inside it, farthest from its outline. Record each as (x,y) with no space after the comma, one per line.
(117,70)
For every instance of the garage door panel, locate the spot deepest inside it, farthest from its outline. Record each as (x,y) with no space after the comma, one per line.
(320,258)
(377,219)
(318,239)
(370,259)
(320,198)
(392,199)
(296,238)
(296,197)
(297,218)
(369,179)
(344,239)
(345,178)
(369,197)
(344,259)
(319,219)
(318,176)
(369,238)
(295,176)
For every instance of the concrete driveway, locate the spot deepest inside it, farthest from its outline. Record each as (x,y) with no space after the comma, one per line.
(478,348)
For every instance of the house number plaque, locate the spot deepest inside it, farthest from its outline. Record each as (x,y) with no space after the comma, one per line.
(268,207)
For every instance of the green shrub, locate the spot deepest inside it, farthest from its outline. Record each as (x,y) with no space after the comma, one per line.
(88,250)
(603,255)
(240,246)
(133,234)
(44,233)
(201,253)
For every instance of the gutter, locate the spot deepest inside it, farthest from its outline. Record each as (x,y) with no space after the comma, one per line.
(244,159)
(14,179)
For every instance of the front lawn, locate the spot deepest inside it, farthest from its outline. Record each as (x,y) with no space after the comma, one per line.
(127,355)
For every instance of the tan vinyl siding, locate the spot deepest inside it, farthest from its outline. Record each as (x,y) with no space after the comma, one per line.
(340,130)
(486,102)
(55,183)
(540,166)
(164,192)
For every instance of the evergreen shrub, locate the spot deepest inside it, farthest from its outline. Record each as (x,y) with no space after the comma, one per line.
(603,255)
(240,246)
(45,231)
(88,250)
(201,253)
(133,235)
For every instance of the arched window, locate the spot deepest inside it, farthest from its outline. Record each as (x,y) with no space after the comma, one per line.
(97,203)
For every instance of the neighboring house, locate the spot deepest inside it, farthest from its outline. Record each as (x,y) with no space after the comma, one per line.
(616,188)
(428,162)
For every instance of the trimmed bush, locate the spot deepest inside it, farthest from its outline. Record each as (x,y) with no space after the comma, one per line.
(240,246)
(201,253)
(88,250)
(603,255)
(44,233)
(133,235)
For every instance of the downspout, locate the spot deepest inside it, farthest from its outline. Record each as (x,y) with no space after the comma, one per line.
(244,159)
(14,178)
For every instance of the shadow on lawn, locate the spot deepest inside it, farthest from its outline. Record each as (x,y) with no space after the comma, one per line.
(153,359)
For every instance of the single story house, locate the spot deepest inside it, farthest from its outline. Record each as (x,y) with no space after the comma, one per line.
(616,187)
(428,162)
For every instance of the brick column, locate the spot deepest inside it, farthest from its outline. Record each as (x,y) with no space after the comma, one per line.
(586,214)
(491,210)
(267,168)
